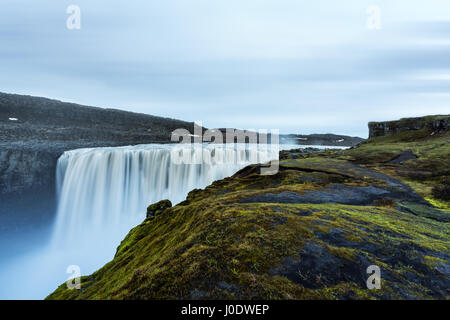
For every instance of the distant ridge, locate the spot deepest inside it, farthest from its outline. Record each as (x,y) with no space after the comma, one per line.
(26,117)
(35,131)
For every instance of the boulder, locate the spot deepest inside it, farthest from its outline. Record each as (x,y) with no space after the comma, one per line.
(158,208)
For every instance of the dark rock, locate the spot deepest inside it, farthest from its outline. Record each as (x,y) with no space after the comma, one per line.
(317,268)
(158,208)
(442,190)
(298,153)
(332,194)
(434,123)
(444,269)
(197,294)
(278,221)
(390,190)
(228,287)
(335,237)
(403,156)
(305,212)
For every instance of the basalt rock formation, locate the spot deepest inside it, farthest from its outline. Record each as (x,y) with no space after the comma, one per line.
(36,131)
(434,123)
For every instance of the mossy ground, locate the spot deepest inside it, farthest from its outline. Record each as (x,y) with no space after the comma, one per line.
(215,245)
(430,168)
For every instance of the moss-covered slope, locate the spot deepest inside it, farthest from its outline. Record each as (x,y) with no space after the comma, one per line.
(308,232)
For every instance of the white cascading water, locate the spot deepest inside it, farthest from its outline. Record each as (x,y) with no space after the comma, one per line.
(103,192)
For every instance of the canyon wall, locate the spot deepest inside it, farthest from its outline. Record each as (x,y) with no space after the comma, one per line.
(34,132)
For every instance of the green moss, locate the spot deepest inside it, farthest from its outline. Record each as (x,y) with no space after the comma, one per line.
(244,242)
(445,205)
(215,246)
(158,208)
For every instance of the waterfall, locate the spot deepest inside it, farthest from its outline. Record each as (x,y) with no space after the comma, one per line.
(104,192)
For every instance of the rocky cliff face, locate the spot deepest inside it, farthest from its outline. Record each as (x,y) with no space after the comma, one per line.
(25,118)
(434,123)
(34,132)
(28,165)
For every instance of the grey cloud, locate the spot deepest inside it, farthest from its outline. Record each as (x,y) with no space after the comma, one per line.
(192,61)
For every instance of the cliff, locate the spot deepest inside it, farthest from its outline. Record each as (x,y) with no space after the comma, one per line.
(433,123)
(26,117)
(308,232)
(36,131)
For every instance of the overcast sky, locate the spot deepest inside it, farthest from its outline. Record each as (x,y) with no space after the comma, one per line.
(294,65)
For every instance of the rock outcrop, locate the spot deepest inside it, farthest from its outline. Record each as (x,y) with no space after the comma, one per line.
(434,123)
(158,208)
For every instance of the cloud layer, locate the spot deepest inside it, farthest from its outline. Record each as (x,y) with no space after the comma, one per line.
(285,64)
